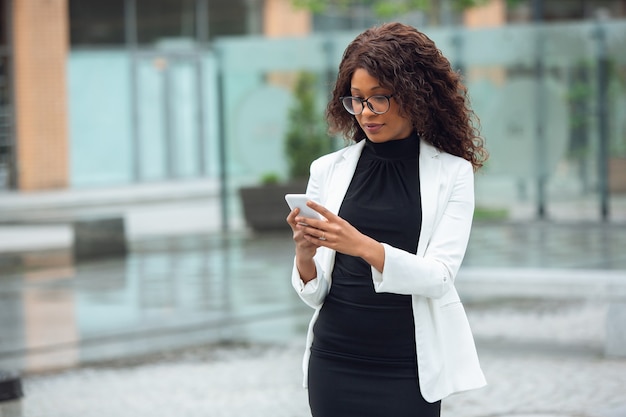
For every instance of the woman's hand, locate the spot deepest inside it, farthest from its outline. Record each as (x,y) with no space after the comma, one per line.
(335,233)
(305,249)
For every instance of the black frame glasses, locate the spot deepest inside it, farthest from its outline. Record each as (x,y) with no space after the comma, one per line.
(375,106)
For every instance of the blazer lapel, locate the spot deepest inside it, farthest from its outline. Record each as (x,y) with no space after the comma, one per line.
(429,171)
(342,171)
(341,175)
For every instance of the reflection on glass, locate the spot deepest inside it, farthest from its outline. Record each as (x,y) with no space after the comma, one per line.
(49,320)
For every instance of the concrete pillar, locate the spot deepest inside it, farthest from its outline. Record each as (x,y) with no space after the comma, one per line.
(282,18)
(40,33)
(492,14)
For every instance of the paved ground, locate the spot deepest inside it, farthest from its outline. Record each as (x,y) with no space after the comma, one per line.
(206,325)
(547,361)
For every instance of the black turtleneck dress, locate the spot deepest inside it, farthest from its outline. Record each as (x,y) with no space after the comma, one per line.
(363,361)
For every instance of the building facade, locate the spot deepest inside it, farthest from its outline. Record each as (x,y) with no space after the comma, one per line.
(36,41)
(48,49)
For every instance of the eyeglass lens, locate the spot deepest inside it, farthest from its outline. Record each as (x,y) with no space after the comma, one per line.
(377,104)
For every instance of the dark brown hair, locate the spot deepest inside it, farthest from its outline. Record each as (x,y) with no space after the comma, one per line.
(423,83)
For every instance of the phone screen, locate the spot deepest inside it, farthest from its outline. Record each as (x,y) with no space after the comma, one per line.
(299,200)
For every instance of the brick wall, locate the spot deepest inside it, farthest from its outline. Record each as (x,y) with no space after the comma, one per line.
(489,15)
(40,51)
(281,18)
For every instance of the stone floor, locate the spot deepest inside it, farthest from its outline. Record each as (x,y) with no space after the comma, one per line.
(203,324)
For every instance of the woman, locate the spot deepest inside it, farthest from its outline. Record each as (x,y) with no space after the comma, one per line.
(389,336)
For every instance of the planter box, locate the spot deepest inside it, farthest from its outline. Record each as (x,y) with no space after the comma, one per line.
(264,206)
(617,175)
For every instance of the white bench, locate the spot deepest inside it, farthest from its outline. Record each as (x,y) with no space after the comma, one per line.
(475,284)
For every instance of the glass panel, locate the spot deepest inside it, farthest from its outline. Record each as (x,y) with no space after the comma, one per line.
(153,118)
(95,22)
(615,35)
(169,117)
(542,131)
(100,111)
(184,118)
(499,65)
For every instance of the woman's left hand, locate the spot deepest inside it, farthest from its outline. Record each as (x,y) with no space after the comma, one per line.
(336,233)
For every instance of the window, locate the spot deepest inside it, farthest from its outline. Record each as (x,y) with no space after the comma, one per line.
(4,18)
(163,19)
(95,22)
(228,17)
(6,113)
(103,23)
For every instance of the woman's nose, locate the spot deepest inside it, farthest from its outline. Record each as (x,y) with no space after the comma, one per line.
(366,108)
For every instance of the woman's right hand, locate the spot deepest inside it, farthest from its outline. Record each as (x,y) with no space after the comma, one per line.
(305,250)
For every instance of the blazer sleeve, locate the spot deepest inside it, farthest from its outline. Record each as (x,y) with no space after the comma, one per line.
(314,291)
(432,271)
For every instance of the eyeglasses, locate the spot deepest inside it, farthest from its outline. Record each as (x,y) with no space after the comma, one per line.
(378,104)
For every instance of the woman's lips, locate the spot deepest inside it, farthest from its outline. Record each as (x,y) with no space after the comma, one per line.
(372,127)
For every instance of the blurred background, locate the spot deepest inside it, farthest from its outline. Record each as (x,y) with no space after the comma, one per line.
(129,92)
(146,145)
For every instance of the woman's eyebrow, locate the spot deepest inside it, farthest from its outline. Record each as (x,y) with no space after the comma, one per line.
(378,87)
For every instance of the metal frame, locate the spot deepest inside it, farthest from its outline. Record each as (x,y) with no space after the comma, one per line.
(138,55)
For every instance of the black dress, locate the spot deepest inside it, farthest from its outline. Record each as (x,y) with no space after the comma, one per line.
(363,361)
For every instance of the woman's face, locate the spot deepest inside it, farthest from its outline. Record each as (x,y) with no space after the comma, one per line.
(378,127)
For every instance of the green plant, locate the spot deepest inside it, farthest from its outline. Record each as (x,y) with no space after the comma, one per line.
(269,178)
(306,137)
(583,101)
(386,8)
(487,213)
(579,98)
(617,94)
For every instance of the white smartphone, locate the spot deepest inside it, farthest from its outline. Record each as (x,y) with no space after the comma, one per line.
(299,200)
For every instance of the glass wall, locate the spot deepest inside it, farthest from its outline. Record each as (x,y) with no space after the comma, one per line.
(551,101)
(142,87)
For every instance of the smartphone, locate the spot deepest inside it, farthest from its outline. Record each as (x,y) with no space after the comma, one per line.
(299,200)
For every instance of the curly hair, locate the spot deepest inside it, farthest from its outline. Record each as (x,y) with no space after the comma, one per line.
(428,91)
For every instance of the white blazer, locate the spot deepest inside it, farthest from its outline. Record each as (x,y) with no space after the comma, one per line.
(446,354)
